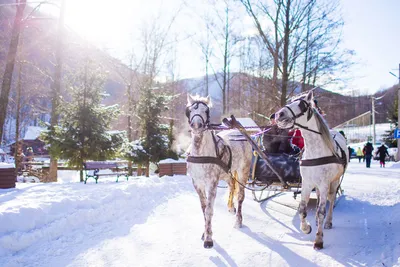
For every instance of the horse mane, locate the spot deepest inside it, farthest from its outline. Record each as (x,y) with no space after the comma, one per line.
(198,98)
(324,130)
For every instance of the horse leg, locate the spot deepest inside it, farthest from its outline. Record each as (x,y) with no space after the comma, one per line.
(316,214)
(240,198)
(203,200)
(305,197)
(332,198)
(209,212)
(321,212)
(231,185)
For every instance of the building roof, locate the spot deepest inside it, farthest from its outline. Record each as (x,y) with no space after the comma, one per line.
(249,124)
(33,132)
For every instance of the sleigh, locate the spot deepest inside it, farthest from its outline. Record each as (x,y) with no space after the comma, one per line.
(271,173)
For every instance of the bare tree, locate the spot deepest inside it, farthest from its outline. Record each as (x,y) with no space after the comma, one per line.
(302,31)
(56,87)
(10,61)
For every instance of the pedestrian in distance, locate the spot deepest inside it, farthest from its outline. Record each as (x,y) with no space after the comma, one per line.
(351,150)
(368,154)
(359,154)
(381,153)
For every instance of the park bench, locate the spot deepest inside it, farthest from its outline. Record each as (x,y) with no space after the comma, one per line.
(95,169)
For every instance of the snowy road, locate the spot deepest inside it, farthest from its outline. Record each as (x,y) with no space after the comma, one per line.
(158,222)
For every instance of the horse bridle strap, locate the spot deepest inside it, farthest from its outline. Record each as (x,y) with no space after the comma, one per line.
(196,106)
(304,107)
(306,128)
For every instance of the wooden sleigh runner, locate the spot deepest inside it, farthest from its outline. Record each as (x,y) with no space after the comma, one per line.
(271,174)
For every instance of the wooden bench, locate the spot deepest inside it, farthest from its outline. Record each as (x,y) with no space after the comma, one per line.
(93,170)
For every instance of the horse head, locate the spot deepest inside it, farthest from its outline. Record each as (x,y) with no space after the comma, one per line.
(198,113)
(298,112)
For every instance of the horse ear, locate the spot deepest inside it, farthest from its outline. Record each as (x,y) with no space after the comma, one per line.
(209,101)
(310,96)
(190,100)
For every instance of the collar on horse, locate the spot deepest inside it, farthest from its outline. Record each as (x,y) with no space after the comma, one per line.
(335,158)
(219,155)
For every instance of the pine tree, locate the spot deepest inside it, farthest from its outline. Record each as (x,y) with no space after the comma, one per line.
(82,133)
(154,134)
(393,118)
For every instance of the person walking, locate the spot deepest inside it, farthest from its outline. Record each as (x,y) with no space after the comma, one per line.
(382,152)
(351,150)
(359,154)
(368,154)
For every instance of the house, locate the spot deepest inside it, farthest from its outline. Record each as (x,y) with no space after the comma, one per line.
(31,139)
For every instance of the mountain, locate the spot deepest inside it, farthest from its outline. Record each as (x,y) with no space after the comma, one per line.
(245,92)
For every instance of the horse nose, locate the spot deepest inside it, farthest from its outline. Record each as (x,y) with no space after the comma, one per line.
(191,124)
(200,125)
(281,114)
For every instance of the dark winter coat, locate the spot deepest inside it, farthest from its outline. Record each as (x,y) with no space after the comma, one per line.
(277,140)
(368,149)
(382,152)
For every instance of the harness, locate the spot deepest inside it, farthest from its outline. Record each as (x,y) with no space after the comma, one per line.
(335,158)
(219,153)
(327,160)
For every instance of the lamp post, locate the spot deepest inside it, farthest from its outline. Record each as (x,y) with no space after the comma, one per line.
(398,114)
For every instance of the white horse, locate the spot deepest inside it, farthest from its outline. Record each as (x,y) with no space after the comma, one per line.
(214,157)
(324,160)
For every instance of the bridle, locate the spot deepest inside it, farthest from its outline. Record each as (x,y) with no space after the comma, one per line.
(195,105)
(218,159)
(305,107)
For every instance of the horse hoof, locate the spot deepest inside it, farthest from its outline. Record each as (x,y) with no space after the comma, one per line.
(238,225)
(328,226)
(307,230)
(208,244)
(318,245)
(233,211)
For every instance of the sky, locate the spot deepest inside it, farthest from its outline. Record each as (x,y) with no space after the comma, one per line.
(371,30)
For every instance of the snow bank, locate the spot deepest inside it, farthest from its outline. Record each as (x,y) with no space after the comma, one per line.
(165,161)
(395,165)
(4,165)
(33,214)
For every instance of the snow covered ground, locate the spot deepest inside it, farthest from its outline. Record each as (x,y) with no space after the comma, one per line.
(158,222)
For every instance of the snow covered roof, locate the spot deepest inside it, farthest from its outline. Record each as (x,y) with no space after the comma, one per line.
(249,124)
(33,132)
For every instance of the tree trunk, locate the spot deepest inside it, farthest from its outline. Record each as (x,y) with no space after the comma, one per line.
(147,168)
(130,122)
(303,85)
(10,62)
(57,88)
(226,55)
(17,116)
(285,63)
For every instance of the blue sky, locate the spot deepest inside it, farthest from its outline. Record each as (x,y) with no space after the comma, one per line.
(371,30)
